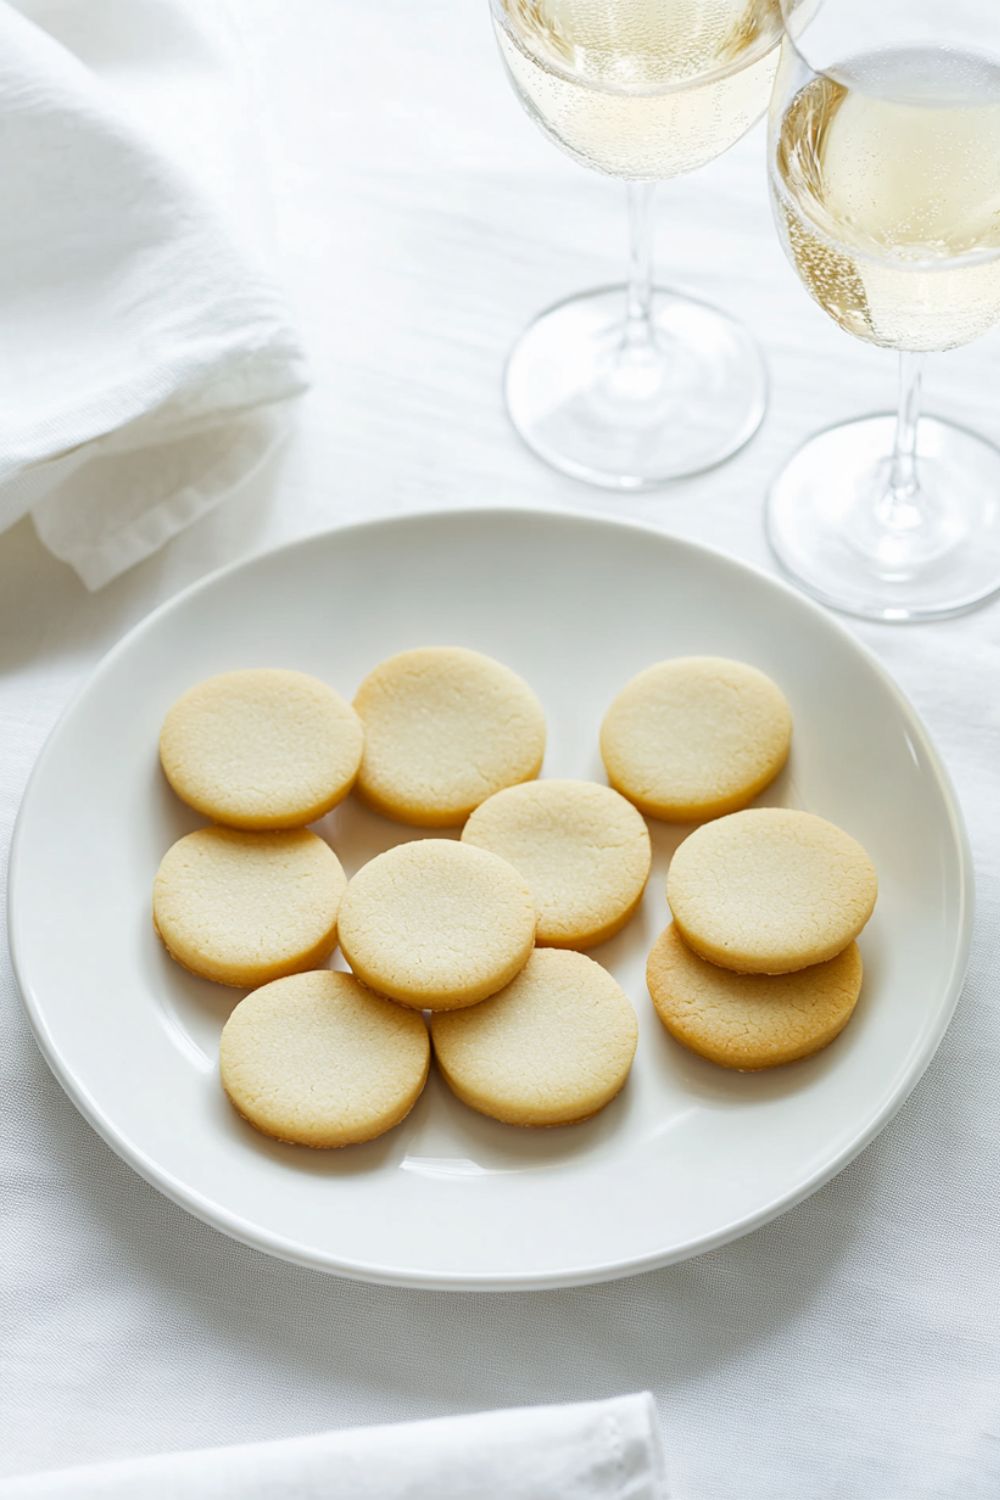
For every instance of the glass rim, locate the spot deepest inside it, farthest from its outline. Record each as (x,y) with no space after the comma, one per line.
(791,35)
(768,43)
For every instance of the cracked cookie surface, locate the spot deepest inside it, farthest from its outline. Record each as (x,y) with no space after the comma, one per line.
(552,1048)
(582,848)
(695,737)
(445,728)
(261,748)
(243,908)
(770,890)
(437,924)
(318,1060)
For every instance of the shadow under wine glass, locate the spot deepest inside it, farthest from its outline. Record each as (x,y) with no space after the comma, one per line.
(884,166)
(630,386)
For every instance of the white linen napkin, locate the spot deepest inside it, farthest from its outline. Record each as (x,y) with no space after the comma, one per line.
(599,1450)
(144,354)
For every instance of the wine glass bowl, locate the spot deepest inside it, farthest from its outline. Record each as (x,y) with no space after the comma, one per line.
(884,168)
(629,386)
(641,90)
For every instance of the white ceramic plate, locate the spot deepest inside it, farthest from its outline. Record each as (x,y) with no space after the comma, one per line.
(688,1156)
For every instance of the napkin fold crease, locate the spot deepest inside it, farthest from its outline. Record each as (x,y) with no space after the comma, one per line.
(146,359)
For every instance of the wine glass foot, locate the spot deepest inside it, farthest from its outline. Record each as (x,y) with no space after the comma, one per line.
(593,401)
(942,555)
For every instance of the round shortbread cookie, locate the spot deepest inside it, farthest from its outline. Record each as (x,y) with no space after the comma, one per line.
(552,1048)
(581,847)
(445,728)
(750,1021)
(243,908)
(770,890)
(318,1060)
(437,924)
(261,748)
(695,737)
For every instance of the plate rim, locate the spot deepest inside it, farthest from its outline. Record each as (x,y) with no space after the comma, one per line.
(236,1227)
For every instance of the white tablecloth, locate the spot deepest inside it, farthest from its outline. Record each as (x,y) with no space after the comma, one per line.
(849,1349)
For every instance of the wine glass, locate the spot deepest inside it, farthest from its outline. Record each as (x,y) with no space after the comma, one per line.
(884,165)
(628,386)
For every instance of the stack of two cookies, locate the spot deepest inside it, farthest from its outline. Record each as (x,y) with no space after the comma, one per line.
(760,965)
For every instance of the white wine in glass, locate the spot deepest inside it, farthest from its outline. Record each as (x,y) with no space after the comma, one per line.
(629,386)
(643,90)
(885,182)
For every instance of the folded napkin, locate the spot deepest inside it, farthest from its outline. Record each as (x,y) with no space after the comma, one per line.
(601,1450)
(145,354)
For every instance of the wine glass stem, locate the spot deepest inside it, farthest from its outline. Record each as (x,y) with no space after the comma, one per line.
(638,307)
(901,508)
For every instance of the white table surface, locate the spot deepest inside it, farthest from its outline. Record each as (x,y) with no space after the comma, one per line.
(850,1348)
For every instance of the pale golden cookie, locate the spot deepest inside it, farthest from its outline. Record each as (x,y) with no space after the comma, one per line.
(243,908)
(445,728)
(695,737)
(437,924)
(581,847)
(750,1021)
(770,890)
(261,748)
(319,1060)
(552,1048)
